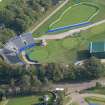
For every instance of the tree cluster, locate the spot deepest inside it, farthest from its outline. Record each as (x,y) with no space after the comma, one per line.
(33,78)
(18,16)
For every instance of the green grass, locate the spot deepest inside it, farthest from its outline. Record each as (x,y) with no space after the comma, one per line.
(100,90)
(4,3)
(39,54)
(55,50)
(101,15)
(76,14)
(70,43)
(29,100)
(95,100)
(66,50)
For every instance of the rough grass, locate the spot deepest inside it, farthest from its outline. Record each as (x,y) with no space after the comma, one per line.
(29,100)
(4,3)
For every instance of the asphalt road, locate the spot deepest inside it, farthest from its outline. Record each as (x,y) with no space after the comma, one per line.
(76,97)
(73,87)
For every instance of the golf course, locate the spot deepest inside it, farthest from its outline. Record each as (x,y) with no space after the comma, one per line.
(69,50)
(73,13)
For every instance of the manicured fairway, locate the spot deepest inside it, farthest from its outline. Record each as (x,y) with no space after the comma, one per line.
(39,54)
(56,52)
(31,100)
(66,43)
(74,14)
(67,50)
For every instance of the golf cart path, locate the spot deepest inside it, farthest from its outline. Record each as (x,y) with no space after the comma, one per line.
(48,17)
(26,60)
(76,97)
(69,33)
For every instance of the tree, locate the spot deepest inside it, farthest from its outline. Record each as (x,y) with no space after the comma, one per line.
(12,82)
(26,81)
(98,85)
(6,16)
(69,72)
(94,68)
(41,74)
(57,73)
(19,25)
(5,34)
(2,94)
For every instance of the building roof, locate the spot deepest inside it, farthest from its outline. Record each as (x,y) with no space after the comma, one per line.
(20,42)
(97,47)
(27,37)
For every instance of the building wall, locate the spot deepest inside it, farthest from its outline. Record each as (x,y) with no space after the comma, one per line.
(99,54)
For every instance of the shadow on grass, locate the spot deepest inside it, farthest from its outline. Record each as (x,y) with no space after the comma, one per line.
(83,54)
(39,104)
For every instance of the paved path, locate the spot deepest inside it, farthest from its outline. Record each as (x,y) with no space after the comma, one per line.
(72,87)
(69,33)
(24,58)
(65,2)
(76,97)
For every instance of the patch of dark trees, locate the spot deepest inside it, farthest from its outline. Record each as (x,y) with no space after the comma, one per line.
(14,79)
(18,16)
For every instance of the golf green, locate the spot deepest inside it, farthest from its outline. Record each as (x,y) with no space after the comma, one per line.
(75,14)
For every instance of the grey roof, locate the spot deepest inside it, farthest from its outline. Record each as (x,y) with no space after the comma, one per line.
(19,44)
(6,51)
(12,59)
(28,38)
(18,41)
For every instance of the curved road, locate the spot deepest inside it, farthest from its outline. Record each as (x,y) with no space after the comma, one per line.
(26,60)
